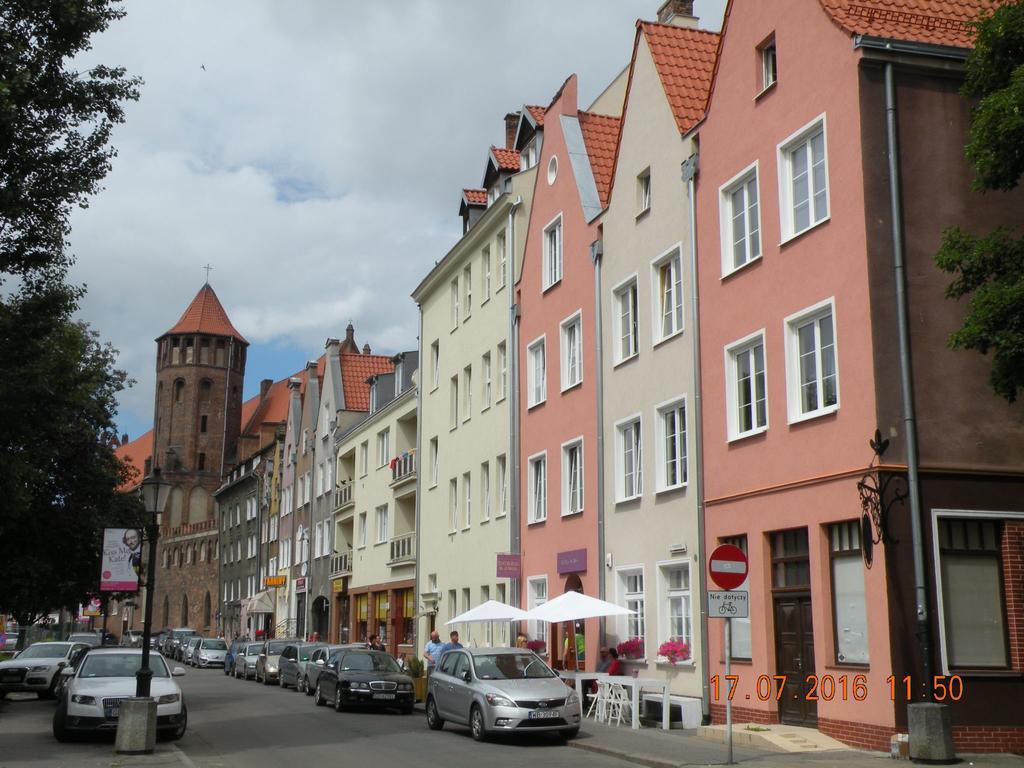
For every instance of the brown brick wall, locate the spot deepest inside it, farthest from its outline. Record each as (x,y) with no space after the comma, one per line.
(744,715)
(988,739)
(1013,583)
(859,735)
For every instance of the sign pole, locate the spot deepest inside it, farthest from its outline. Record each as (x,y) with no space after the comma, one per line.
(728,699)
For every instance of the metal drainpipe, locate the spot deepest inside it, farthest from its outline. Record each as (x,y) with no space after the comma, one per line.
(690,168)
(512,356)
(596,253)
(419,475)
(906,374)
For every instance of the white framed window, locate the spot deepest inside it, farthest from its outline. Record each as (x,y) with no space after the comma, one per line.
(627,338)
(769,63)
(467,503)
(433,462)
(455,308)
(537,594)
(453,505)
(676,603)
(572,350)
(740,220)
(467,292)
(671,454)
(803,179)
(318,541)
(502,371)
(485,382)
(485,491)
(537,477)
(381,515)
(361,530)
(746,387)
(629,459)
(502,259)
(364,457)
(849,600)
(399,376)
(435,365)
(812,362)
(485,275)
(453,404)
(285,551)
(572,477)
(643,192)
(667,289)
(307,488)
(552,252)
(536,382)
(631,596)
(501,468)
(383,447)
(467,393)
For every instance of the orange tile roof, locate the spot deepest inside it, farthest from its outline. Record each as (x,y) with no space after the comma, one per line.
(601,135)
(475,196)
(355,370)
(507,159)
(936,22)
(537,113)
(273,409)
(685,60)
(206,315)
(135,455)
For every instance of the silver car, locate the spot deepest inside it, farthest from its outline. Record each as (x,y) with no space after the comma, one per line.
(210,652)
(189,646)
(36,668)
(267,662)
(293,662)
(245,660)
(500,690)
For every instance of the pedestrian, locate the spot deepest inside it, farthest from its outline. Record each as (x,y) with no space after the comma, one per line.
(605,661)
(521,640)
(452,643)
(432,650)
(616,667)
(402,663)
(375,643)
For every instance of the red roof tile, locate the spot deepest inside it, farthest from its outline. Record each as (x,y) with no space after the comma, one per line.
(685,60)
(537,113)
(355,370)
(937,22)
(601,135)
(507,159)
(272,410)
(135,455)
(206,315)
(475,196)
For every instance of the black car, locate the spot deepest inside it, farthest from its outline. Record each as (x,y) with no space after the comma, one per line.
(366,678)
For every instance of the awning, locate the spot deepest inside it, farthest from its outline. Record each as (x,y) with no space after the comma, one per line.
(261,602)
(574,605)
(492,610)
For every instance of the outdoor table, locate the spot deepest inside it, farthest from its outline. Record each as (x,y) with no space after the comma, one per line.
(636,684)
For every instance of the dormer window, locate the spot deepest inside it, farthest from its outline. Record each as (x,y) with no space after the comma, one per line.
(769,63)
(399,374)
(373,396)
(528,155)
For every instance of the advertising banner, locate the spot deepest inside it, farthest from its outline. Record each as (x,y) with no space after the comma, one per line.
(122,558)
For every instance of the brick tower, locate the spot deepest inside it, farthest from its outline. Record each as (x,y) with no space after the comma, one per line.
(200,367)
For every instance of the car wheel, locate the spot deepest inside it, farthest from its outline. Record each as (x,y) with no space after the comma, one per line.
(477,725)
(318,696)
(572,733)
(51,692)
(307,687)
(180,730)
(338,706)
(60,728)
(280,681)
(434,721)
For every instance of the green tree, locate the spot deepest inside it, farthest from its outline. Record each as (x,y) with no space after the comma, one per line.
(58,472)
(989,269)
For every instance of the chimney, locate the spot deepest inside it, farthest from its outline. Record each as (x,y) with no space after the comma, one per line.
(265,385)
(366,349)
(349,344)
(124,439)
(511,124)
(333,348)
(679,13)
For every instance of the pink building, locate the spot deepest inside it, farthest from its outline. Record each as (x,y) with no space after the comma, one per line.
(558,452)
(800,364)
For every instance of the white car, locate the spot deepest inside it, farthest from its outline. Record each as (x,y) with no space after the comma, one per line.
(35,668)
(92,694)
(210,652)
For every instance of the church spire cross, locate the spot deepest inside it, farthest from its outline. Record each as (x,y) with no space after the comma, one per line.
(208,268)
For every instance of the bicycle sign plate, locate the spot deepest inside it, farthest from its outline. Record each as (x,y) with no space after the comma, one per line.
(728,605)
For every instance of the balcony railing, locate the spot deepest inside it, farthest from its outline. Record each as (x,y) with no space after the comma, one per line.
(404,469)
(186,528)
(343,497)
(403,549)
(341,564)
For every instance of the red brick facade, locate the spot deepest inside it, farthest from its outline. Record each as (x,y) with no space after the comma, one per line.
(1013,584)
(983,738)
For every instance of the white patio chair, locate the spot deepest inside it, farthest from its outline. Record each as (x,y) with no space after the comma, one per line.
(598,704)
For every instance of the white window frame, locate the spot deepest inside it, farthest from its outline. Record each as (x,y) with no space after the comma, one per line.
(569,445)
(361,531)
(731,352)
(501,246)
(784,153)
(675,253)
(536,392)
(453,505)
(455,305)
(453,403)
(502,371)
(534,513)
(665,595)
(661,445)
(383,447)
(626,598)
(552,267)
(467,500)
(643,192)
(485,275)
(467,393)
(769,63)
(725,219)
(380,518)
(364,458)
(467,292)
(569,358)
(485,381)
(434,456)
(620,455)
(435,365)
(501,468)
(536,629)
(485,491)
(619,292)
(791,326)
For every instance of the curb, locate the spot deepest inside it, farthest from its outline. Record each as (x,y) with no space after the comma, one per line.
(640,759)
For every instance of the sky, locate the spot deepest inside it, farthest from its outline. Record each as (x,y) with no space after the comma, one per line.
(313,153)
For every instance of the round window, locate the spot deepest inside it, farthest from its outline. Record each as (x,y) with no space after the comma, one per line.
(552,169)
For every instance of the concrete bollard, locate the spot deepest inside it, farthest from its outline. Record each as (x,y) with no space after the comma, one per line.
(931,733)
(136,727)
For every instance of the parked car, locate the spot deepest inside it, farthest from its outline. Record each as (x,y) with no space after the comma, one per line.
(93,693)
(210,652)
(364,677)
(87,638)
(175,640)
(292,666)
(268,660)
(131,639)
(495,690)
(36,668)
(229,658)
(74,662)
(317,661)
(189,650)
(157,641)
(245,661)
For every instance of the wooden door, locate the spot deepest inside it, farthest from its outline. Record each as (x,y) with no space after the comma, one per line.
(794,658)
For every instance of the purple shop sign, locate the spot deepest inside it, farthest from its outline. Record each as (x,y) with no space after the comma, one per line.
(509,566)
(573,561)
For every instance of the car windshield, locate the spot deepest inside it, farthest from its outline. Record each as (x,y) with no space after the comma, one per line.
(274,649)
(253,649)
(305,653)
(510,666)
(120,665)
(368,662)
(45,651)
(215,645)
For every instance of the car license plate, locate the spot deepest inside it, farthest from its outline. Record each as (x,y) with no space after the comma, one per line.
(112,712)
(543,714)
(383,695)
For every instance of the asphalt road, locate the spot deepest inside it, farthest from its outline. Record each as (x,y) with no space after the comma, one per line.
(238,723)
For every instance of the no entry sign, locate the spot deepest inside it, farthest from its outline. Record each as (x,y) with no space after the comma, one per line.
(728,566)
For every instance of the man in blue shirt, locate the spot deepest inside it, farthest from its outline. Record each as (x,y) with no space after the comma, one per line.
(451,645)
(432,651)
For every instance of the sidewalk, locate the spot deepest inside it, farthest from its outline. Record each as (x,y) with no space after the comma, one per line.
(656,748)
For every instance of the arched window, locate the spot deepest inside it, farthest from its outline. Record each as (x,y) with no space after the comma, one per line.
(177,505)
(206,611)
(198,505)
(167,558)
(179,391)
(188,555)
(177,557)
(184,610)
(202,552)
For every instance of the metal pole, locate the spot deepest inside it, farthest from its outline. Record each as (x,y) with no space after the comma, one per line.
(728,697)
(145,675)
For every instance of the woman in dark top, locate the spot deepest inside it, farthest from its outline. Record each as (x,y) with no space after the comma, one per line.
(616,667)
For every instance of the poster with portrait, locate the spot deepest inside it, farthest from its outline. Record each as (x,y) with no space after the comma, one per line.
(122,559)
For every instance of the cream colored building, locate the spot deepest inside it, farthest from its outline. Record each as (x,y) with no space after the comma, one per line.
(651,534)
(466,498)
